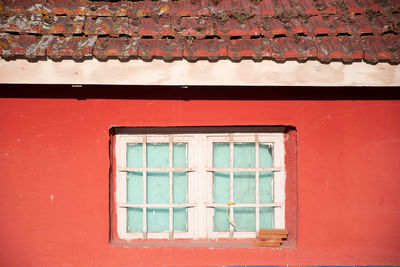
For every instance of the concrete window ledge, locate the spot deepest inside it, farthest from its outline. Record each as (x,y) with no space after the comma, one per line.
(223,72)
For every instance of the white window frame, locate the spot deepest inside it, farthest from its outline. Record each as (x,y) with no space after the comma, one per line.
(200,206)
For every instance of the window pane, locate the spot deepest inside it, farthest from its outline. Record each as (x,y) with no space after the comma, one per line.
(244,155)
(134,220)
(267,218)
(157,187)
(134,187)
(266,157)
(180,219)
(134,156)
(221,179)
(157,219)
(134,194)
(180,187)
(180,196)
(221,222)
(244,183)
(245,219)
(221,155)
(266,178)
(158,155)
(179,155)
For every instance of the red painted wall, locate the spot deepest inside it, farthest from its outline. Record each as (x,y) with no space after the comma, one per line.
(55,186)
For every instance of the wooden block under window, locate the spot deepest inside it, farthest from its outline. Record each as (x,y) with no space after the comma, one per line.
(273,232)
(268,243)
(270,237)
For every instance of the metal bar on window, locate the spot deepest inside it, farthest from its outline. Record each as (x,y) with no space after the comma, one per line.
(156,169)
(171,218)
(244,205)
(257,185)
(144,187)
(191,205)
(231,229)
(276,169)
(158,205)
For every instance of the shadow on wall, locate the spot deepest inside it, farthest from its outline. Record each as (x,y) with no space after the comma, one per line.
(197,92)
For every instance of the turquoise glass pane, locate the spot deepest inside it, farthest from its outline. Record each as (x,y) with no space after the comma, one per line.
(266,186)
(265,155)
(221,155)
(266,218)
(245,219)
(180,219)
(266,178)
(179,155)
(221,222)
(157,220)
(244,183)
(180,196)
(157,192)
(221,179)
(221,185)
(157,187)
(157,155)
(180,187)
(134,186)
(134,220)
(244,155)
(134,155)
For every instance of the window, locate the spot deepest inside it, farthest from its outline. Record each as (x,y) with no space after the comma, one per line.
(191,185)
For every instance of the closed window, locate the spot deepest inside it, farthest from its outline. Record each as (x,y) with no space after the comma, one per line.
(199,185)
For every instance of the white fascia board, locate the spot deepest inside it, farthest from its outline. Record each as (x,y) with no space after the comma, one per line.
(181,72)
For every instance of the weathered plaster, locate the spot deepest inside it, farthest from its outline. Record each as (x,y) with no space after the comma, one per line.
(224,72)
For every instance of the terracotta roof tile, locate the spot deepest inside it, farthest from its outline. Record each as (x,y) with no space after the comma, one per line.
(63,25)
(65,7)
(104,8)
(256,49)
(159,27)
(167,49)
(317,7)
(190,8)
(212,49)
(76,47)
(122,48)
(342,48)
(112,26)
(21,23)
(233,27)
(301,48)
(30,46)
(198,27)
(148,8)
(382,48)
(265,8)
(202,29)
(23,6)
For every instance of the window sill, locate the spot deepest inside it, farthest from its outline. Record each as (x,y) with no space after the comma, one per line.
(184,243)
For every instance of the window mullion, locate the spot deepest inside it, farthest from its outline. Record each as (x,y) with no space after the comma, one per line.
(171,218)
(144,146)
(231,211)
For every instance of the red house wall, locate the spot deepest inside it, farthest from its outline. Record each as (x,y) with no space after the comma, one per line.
(54,172)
